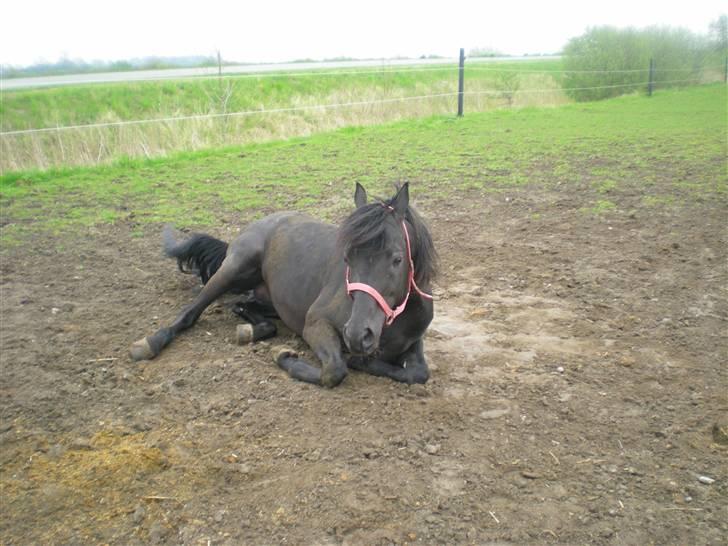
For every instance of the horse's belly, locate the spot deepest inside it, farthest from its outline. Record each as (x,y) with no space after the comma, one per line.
(295,268)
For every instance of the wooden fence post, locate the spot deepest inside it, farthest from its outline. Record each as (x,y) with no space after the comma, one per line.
(461,81)
(651,83)
(725,71)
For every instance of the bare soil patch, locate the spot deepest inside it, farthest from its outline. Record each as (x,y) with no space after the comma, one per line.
(577,395)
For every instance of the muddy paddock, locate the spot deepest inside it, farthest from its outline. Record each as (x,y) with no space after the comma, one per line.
(578,394)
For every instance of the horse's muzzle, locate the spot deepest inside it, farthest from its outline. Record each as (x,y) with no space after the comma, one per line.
(362,331)
(361,343)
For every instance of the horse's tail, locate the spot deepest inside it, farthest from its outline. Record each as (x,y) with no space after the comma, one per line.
(200,254)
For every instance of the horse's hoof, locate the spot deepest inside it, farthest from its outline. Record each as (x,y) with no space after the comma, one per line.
(141,350)
(245,334)
(280,352)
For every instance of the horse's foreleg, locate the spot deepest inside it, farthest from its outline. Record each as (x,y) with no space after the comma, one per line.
(225,277)
(411,367)
(324,340)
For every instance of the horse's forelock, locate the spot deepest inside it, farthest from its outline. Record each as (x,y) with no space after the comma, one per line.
(365,228)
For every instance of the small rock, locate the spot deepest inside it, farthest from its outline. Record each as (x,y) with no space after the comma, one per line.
(141,426)
(432,449)
(560,369)
(157,533)
(315,455)
(81,443)
(720,433)
(138,516)
(370,453)
(530,475)
(219,515)
(494,413)
(56,451)
(627,361)
(706,480)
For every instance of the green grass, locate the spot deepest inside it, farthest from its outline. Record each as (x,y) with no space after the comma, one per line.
(103,103)
(81,104)
(671,145)
(601,206)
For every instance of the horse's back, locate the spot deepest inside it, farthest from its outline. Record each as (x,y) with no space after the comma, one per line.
(296,263)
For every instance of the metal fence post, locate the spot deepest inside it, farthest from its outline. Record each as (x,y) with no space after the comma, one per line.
(651,83)
(461,81)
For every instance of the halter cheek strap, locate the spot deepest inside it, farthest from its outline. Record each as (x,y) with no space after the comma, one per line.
(390,313)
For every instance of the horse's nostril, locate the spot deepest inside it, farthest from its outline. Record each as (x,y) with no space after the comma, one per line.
(367,339)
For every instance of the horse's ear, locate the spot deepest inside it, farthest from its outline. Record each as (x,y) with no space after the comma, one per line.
(401,200)
(360,196)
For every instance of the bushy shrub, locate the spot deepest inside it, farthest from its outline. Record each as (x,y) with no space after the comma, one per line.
(608,61)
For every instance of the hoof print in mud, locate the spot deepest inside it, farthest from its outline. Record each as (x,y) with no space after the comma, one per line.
(141,350)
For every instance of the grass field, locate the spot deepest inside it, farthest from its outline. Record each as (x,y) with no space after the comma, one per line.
(48,107)
(599,146)
(103,103)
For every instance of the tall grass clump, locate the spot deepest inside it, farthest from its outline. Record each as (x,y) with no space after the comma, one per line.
(607,61)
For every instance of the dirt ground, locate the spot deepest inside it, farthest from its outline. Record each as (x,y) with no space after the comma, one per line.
(578,394)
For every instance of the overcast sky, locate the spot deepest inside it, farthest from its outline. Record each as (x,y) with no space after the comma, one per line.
(270,30)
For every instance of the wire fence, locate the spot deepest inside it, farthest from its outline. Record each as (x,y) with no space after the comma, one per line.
(493,92)
(41,147)
(382,70)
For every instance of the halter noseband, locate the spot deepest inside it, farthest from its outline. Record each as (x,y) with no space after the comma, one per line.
(390,313)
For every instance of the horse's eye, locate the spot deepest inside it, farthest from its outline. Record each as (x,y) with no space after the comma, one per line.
(397,260)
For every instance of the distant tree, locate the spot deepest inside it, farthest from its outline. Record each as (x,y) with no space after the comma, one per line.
(608,61)
(719,34)
(485,52)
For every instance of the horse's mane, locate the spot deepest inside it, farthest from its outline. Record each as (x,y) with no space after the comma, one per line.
(365,229)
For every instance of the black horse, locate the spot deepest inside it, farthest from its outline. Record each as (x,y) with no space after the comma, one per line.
(361,289)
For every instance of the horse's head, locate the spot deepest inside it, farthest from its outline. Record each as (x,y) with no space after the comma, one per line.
(379,264)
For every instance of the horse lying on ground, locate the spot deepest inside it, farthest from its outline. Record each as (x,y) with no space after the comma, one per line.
(359,294)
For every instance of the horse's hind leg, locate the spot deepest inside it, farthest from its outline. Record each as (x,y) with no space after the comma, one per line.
(253,309)
(257,327)
(238,269)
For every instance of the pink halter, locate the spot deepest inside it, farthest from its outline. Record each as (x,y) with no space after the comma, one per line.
(390,313)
